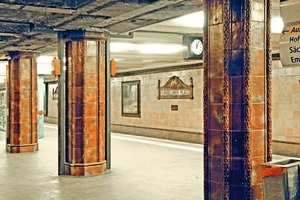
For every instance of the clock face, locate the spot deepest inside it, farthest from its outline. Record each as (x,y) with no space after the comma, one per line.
(197,47)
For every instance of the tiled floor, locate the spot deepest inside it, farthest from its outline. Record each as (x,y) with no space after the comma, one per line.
(142,169)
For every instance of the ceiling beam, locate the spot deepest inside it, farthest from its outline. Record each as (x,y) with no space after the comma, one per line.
(36,8)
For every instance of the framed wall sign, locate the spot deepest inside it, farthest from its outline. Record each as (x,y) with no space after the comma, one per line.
(131,99)
(55,93)
(175,88)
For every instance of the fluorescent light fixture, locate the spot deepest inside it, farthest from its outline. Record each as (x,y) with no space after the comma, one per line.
(118,59)
(146,48)
(277,25)
(3,71)
(2,79)
(3,68)
(159,48)
(44,64)
(195,20)
(122,46)
(44,59)
(148,61)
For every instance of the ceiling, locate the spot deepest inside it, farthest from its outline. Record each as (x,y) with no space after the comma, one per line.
(30,25)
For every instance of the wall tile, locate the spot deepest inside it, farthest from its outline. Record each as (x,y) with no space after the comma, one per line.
(237,144)
(236,175)
(216,90)
(258,140)
(216,143)
(215,164)
(236,117)
(257,90)
(258,117)
(217,8)
(236,89)
(216,117)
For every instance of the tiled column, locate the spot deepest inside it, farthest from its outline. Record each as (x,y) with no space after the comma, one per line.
(22,103)
(236,97)
(85,142)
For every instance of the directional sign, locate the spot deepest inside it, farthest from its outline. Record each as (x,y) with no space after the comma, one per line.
(289,46)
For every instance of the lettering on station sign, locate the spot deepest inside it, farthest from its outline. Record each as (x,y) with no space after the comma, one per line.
(175,88)
(289,46)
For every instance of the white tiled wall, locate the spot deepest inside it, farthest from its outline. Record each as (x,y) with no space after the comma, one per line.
(157,113)
(286,103)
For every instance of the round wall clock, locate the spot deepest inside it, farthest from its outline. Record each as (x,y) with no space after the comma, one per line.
(193,47)
(196,46)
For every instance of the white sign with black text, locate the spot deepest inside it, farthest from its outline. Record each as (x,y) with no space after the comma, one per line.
(289,46)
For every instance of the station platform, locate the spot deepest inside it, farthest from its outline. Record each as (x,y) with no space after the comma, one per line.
(142,169)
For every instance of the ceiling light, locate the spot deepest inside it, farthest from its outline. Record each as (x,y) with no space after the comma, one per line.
(44,64)
(195,20)
(159,48)
(116,47)
(118,59)
(2,79)
(121,47)
(44,59)
(277,25)
(3,67)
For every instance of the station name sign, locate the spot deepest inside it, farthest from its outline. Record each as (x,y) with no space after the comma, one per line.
(175,88)
(289,46)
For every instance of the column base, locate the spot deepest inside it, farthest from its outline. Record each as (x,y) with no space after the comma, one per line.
(85,169)
(22,148)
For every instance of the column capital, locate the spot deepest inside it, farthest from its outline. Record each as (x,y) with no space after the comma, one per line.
(90,34)
(23,54)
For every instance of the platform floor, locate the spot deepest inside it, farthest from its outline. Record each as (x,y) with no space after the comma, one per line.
(142,169)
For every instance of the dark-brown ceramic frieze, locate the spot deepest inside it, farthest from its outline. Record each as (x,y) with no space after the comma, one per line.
(175,88)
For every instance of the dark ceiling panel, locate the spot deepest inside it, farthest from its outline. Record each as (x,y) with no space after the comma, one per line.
(17,15)
(49,3)
(81,21)
(11,27)
(25,42)
(22,16)
(6,39)
(172,11)
(139,1)
(115,8)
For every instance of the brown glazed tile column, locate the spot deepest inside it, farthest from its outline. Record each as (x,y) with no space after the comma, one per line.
(22,103)
(85,114)
(237,96)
